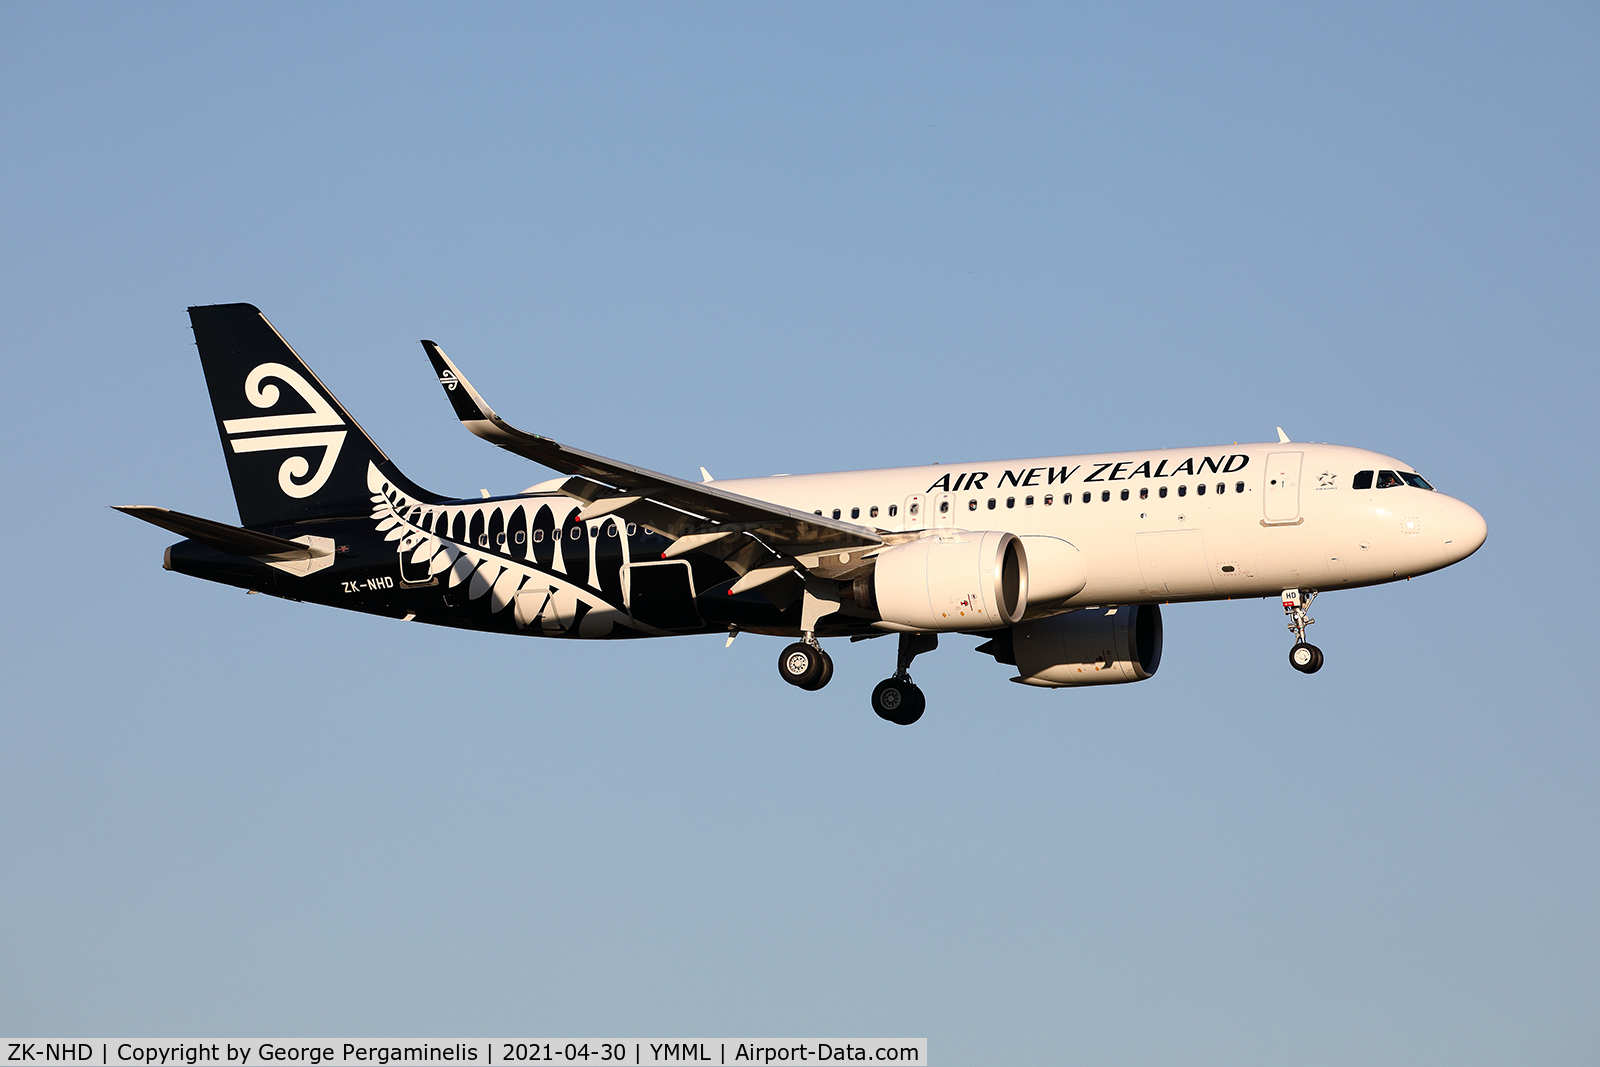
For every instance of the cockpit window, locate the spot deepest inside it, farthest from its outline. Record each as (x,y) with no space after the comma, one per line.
(1388,480)
(1362,480)
(1415,480)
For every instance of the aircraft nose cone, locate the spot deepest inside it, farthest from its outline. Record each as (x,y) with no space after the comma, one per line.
(1465,530)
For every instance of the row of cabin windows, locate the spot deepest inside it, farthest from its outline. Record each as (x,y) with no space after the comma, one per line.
(609,529)
(1050,499)
(1390,480)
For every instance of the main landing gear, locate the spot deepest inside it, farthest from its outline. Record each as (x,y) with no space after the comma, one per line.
(1303,657)
(805,665)
(897,699)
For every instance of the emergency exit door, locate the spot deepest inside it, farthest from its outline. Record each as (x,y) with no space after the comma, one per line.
(1281,493)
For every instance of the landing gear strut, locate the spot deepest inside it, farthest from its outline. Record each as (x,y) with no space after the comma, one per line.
(1303,657)
(898,699)
(805,665)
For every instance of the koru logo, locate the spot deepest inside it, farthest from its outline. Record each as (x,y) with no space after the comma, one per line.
(448,380)
(295,477)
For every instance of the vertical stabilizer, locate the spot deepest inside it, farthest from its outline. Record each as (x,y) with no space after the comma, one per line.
(293,451)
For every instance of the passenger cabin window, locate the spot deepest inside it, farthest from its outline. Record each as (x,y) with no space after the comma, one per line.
(1011,502)
(972,505)
(894,509)
(1183,490)
(944,506)
(1388,480)
(1362,480)
(1238,487)
(1162,492)
(1050,498)
(855,513)
(873,513)
(1144,493)
(836,513)
(1087,497)
(1221,487)
(1105,495)
(1124,494)
(1416,481)
(1200,490)
(991,503)
(1027,502)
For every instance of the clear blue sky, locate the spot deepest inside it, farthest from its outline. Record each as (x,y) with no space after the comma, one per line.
(773,238)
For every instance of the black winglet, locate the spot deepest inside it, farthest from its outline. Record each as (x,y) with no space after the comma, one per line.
(468,405)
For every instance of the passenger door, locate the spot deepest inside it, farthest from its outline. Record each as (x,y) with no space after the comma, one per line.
(414,571)
(1281,492)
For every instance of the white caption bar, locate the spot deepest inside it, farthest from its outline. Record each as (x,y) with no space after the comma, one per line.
(480,1052)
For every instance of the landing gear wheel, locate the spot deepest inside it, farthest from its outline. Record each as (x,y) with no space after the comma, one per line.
(824,675)
(898,701)
(1307,659)
(801,664)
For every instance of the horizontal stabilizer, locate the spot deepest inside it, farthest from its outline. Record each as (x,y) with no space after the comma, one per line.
(233,540)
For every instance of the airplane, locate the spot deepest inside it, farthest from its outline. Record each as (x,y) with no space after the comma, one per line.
(1060,563)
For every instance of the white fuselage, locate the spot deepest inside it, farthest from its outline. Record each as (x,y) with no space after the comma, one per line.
(1235,520)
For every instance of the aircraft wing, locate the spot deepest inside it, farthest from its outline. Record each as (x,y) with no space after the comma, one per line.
(611,486)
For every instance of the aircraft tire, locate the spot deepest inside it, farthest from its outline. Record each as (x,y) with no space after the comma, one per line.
(898,701)
(1307,659)
(800,665)
(824,675)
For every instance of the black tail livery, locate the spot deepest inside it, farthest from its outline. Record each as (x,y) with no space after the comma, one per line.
(293,451)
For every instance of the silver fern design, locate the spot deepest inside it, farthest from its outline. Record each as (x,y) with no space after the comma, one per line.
(546,597)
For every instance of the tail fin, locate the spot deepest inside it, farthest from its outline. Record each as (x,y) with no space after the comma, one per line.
(293,451)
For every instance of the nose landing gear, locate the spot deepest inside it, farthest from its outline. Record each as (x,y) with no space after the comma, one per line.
(898,699)
(1303,657)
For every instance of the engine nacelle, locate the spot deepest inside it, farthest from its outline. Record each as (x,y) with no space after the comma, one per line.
(1056,572)
(962,580)
(1092,646)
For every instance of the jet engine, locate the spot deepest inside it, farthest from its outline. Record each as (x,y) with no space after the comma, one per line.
(963,580)
(1091,646)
